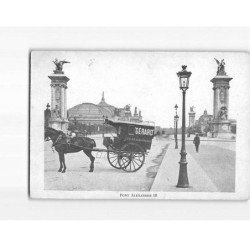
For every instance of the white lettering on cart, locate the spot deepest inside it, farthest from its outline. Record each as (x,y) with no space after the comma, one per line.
(144,131)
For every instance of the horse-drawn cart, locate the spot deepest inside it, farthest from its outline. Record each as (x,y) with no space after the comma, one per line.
(127,150)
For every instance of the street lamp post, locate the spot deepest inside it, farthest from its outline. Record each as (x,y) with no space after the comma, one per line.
(176,118)
(184,76)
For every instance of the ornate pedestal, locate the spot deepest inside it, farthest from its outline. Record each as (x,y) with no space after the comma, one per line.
(58,85)
(221,129)
(220,126)
(59,124)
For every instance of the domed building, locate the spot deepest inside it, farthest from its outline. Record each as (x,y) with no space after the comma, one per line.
(90,113)
(107,109)
(87,113)
(90,116)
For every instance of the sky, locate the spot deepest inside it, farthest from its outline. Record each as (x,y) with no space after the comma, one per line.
(145,79)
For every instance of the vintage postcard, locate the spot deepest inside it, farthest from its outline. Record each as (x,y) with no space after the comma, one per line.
(139,125)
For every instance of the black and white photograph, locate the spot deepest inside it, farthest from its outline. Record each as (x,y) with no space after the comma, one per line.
(124,124)
(137,124)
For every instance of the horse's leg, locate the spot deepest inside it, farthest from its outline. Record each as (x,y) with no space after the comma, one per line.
(92,159)
(61,164)
(63,161)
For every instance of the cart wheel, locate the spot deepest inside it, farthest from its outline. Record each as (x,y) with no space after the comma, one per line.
(113,158)
(133,158)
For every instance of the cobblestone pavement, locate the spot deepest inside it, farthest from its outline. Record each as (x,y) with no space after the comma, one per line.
(104,176)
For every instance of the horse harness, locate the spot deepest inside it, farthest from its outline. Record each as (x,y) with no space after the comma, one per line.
(54,144)
(58,138)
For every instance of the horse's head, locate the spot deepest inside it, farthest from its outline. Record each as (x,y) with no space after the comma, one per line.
(51,134)
(47,134)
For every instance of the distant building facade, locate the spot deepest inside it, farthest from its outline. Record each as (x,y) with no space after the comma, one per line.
(204,122)
(202,125)
(191,116)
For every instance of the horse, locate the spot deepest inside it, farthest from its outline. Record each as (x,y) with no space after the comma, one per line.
(62,146)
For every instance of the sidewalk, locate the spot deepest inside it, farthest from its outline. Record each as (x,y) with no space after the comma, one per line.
(167,176)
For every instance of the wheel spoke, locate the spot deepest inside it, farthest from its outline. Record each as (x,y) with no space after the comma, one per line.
(133,165)
(114,160)
(138,159)
(132,157)
(137,163)
(111,157)
(128,162)
(126,159)
(123,163)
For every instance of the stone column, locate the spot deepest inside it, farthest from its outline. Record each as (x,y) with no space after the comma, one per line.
(59,122)
(221,125)
(52,97)
(227,97)
(216,101)
(62,102)
(65,103)
(214,104)
(191,118)
(221,93)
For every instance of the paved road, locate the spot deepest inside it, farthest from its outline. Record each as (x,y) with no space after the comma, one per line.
(218,162)
(210,170)
(104,177)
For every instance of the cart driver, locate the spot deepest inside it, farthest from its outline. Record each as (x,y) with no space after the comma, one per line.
(73,135)
(70,136)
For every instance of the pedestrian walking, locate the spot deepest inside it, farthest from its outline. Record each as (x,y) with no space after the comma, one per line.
(197,142)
